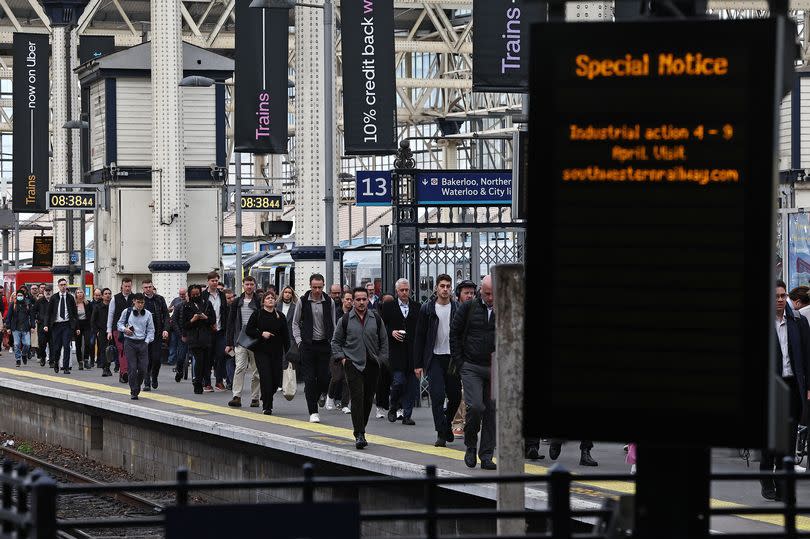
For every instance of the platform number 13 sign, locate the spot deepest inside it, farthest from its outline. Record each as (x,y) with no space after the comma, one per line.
(373,188)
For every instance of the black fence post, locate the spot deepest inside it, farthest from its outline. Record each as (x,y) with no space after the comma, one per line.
(21,473)
(182,486)
(559,501)
(789,495)
(431,521)
(308,492)
(43,506)
(8,466)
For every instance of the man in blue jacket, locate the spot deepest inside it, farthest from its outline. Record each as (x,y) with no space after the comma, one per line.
(432,357)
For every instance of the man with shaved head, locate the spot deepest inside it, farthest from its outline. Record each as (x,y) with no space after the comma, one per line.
(472,343)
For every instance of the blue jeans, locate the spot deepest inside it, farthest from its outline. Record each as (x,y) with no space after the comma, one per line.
(22,343)
(403,391)
(177,349)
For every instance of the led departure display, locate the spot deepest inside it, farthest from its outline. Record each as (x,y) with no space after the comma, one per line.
(653,162)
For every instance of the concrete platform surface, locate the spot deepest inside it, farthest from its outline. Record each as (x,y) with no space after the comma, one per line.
(394,449)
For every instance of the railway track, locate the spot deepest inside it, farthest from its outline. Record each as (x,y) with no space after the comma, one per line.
(83,505)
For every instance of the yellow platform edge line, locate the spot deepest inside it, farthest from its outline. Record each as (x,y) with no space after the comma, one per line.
(620,487)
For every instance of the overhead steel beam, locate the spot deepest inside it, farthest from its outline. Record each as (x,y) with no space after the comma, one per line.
(40,13)
(189,20)
(88,14)
(10,15)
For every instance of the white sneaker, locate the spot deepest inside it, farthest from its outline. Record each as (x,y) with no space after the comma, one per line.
(346,410)
(380,413)
(399,414)
(314,418)
(330,403)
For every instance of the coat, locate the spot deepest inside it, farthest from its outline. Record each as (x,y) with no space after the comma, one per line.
(199,334)
(400,354)
(427,327)
(53,310)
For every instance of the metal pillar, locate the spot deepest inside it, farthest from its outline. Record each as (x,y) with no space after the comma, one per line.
(169,260)
(329,142)
(76,219)
(6,234)
(310,135)
(16,241)
(237,204)
(60,164)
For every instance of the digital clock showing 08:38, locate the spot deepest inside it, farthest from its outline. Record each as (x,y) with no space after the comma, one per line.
(261,202)
(72,201)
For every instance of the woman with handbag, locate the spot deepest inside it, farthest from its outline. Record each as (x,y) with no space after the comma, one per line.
(269,327)
(98,325)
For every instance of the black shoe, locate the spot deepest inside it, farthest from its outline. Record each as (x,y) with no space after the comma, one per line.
(106,372)
(586,459)
(487,464)
(178,376)
(360,441)
(56,369)
(146,387)
(66,371)
(470,458)
(392,415)
(322,400)
(408,421)
(126,377)
(198,389)
(116,368)
(268,412)
(81,365)
(87,365)
(449,437)
(18,363)
(533,454)
(134,397)
(440,442)
(41,362)
(768,490)
(25,361)
(154,382)
(554,451)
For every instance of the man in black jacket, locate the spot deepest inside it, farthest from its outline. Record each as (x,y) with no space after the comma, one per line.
(472,343)
(61,325)
(432,357)
(217,299)
(313,326)
(41,314)
(155,304)
(792,367)
(399,317)
(198,322)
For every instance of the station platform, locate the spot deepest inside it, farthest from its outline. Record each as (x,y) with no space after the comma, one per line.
(394,449)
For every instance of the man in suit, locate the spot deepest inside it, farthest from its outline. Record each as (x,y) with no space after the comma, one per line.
(61,325)
(400,318)
(791,366)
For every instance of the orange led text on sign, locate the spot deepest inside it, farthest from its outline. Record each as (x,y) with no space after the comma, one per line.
(668,65)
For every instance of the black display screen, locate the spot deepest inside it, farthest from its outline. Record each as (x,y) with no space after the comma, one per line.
(652,160)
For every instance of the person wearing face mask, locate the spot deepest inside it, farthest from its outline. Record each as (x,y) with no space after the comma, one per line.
(269,328)
(199,326)
(20,321)
(138,330)
(98,325)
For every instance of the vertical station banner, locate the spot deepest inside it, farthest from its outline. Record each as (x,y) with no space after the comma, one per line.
(31,89)
(501,43)
(369,77)
(260,114)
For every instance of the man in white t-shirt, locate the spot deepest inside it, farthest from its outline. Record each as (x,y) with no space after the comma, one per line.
(432,357)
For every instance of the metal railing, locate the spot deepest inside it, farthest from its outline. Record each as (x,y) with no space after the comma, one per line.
(29,501)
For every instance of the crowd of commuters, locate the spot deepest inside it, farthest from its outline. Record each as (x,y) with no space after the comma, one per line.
(353,349)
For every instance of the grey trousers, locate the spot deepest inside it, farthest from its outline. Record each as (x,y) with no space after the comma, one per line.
(480,409)
(137,354)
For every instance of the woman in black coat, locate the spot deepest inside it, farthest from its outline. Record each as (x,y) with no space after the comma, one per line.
(269,327)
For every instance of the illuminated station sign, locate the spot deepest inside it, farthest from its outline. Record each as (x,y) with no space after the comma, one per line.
(652,184)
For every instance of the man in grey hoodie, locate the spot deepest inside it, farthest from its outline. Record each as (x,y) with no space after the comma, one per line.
(360,344)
